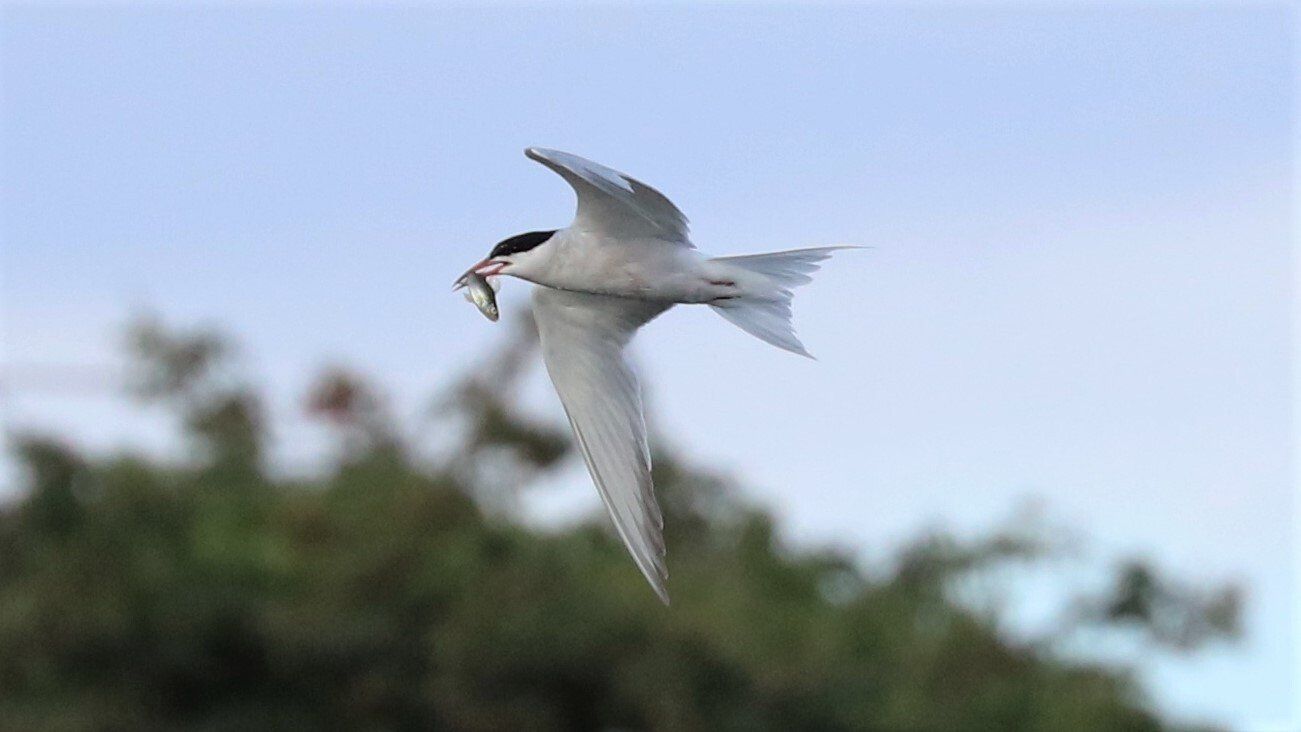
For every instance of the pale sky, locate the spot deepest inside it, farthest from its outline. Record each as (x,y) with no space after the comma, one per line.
(1080,292)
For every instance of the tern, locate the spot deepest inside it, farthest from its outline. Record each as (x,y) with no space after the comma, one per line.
(625,259)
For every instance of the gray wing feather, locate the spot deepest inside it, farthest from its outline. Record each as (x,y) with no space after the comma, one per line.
(615,204)
(583,338)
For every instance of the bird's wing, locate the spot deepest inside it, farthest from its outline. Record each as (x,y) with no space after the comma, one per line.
(583,336)
(613,204)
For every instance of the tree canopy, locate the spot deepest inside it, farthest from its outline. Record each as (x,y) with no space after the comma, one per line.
(394,591)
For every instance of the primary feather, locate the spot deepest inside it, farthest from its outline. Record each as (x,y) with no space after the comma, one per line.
(583,337)
(613,203)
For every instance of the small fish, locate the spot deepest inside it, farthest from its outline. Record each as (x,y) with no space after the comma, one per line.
(482,292)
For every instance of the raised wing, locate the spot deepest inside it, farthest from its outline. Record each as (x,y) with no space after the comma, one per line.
(583,337)
(614,204)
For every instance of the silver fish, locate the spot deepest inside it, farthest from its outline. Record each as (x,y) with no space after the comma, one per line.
(482,293)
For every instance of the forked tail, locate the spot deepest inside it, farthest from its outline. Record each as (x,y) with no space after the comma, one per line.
(764,282)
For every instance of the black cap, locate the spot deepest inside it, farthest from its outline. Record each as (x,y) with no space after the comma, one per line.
(520,243)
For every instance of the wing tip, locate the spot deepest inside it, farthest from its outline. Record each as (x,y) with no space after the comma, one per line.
(663,595)
(653,570)
(545,155)
(657,586)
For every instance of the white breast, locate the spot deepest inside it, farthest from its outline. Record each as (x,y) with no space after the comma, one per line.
(642,269)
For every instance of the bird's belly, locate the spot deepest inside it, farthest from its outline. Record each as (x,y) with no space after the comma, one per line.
(662,274)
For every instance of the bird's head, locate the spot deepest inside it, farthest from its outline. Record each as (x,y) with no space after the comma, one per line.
(510,255)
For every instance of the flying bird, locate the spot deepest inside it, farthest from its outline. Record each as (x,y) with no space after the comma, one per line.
(625,259)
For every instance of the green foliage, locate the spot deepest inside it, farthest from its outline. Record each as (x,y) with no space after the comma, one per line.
(215,595)
(1176,615)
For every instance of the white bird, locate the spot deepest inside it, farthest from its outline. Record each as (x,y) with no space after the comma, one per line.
(625,259)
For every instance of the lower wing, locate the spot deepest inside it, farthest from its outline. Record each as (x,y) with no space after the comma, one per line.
(583,337)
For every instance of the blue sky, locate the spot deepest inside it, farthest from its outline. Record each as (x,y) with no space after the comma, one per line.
(1080,292)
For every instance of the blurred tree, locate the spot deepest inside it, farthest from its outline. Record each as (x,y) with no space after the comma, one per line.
(355,411)
(192,373)
(1167,612)
(215,595)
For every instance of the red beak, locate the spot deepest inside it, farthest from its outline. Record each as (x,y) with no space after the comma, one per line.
(486,268)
